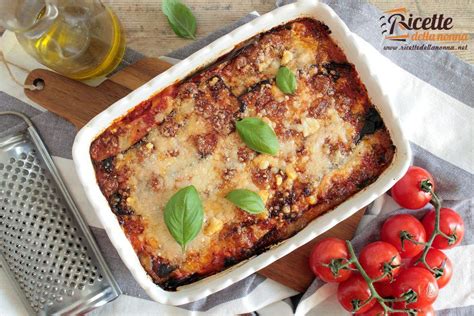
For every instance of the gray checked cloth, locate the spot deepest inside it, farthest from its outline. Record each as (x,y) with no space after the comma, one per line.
(432,92)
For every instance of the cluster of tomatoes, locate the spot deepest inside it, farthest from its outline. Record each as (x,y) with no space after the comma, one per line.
(402,273)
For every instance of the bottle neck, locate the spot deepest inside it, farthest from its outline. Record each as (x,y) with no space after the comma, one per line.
(43,22)
(31,22)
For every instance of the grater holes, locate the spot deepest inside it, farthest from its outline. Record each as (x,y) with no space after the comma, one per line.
(42,233)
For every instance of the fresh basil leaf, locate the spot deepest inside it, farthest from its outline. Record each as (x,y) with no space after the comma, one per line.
(286,80)
(258,135)
(247,200)
(184,215)
(180,18)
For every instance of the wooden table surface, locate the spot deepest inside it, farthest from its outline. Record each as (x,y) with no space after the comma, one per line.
(148,32)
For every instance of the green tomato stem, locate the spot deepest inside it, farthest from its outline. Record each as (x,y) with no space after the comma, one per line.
(405,236)
(370,284)
(426,185)
(436,202)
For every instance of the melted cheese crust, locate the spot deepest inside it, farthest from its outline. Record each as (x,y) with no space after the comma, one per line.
(333,144)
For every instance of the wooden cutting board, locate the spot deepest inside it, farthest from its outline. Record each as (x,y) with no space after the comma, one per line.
(78,103)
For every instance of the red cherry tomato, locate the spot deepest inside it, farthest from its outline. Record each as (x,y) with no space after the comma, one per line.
(408,192)
(378,258)
(354,292)
(450,223)
(425,311)
(377,310)
(385,289)
(397,228)
(333,252)
(421,282)
(437,260)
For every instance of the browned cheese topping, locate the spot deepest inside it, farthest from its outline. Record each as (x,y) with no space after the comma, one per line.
(333,143)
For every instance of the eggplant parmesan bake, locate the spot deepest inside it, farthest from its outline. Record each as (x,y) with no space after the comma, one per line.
(332,144)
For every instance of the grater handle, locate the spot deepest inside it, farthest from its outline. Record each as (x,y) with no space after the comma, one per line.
(20,115)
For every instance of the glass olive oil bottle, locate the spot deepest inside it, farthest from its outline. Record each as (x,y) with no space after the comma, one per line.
(81,39)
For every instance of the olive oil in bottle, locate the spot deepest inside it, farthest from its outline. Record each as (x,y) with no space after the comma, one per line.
(79,39)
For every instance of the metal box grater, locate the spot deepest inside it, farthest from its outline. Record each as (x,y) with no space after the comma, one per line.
(46,248)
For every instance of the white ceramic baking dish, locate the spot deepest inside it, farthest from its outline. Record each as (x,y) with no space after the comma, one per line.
(342,35)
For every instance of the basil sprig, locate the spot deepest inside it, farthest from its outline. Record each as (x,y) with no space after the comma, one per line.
(184,215)
(286,80)
(247,200)
(258,135)
(180,18)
